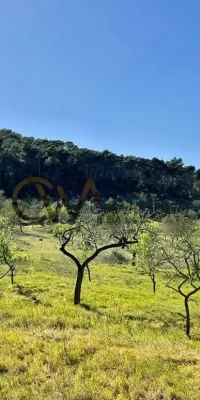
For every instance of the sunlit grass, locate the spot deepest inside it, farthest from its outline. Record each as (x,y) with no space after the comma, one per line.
(124,342)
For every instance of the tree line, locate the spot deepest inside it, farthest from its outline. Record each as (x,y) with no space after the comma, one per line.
(121,178)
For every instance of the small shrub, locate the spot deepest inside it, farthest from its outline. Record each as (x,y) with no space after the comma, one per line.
(115,257)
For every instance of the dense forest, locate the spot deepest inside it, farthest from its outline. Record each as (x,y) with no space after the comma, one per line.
(130,179)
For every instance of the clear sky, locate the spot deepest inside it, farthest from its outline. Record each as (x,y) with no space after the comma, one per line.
(122,75)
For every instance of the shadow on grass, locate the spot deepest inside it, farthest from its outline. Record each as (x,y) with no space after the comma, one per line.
(168,321)
(33,235)
(137,318)
(90,308)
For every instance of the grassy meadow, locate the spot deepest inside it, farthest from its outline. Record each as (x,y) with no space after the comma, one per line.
(122,343)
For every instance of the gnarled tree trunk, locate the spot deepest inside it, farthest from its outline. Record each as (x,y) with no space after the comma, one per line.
(153,282)
(187,312)
(79,280)
(12,276)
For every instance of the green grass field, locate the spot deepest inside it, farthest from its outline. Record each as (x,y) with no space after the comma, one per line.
(123,343)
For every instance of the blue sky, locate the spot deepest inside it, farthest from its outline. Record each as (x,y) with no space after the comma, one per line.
(121,75)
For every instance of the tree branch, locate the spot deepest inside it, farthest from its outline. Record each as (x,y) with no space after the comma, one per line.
(70,255)
(173,264)
(107,247)
(2,276)
(193,292)
(171,287)
(89,275)
(180,286)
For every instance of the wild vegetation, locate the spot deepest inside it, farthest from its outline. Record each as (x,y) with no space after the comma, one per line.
(122,342)
(131,330)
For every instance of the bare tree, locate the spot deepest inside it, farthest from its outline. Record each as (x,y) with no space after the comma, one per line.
(181,250)
(119,231)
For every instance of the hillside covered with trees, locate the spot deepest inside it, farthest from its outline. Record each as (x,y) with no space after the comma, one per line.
(128,178)
(98,305)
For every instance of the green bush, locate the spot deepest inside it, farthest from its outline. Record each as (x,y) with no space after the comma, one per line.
(116,257)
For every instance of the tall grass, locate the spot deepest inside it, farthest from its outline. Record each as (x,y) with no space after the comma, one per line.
(123,342)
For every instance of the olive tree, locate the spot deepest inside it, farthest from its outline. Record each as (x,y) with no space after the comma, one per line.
(6,256)
(181,250)
(98,235)
(13,213)
(149,254)
(9,253)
